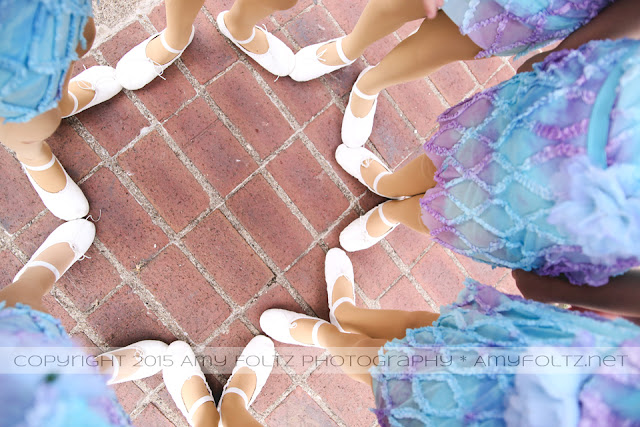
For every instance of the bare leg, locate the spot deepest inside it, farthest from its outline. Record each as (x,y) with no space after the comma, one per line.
(379,18)
(180,17)
(245,14)
(438,42)
(415,178)
(407,212)
(232,409)
(206,415)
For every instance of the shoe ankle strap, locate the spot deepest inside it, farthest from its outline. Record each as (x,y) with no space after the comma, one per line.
(314,332)
(377,180)
(239,392)
(43,167)
(341,301)
(169,48)
(197,404)
(250,39)
(384,218)
(341,54)
(52,268)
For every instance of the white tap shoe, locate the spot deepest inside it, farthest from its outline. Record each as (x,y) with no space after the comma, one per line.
(356,130)
(78,234)
(310,65)
(67,204)
(336,265)
(101,80)
(355,236)
(278,60)
(277,323)
(135,69)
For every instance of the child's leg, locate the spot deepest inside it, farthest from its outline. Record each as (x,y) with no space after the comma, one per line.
(232,409)
(379,19)
(206,415)
(416,177)
(437,43)
(245,14)
(180,17)
(407,212)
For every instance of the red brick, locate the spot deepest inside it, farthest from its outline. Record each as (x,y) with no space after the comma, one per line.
(275,297)
(404,296)
(9,267)
(35,235)
(484,68)
(508,285)
(208,54)
(226,255)
(128,395)
(324,132)
(246,104)
(482,272)
(409,244)
(124,227)
(164,99)
(90,280)
(298,409)
(165,181)
(270,221)
(332,239)
(115,123)
(294,95)
(374,270)
(310,188)
(182,290)
(211,146)
(419,103)
(312,27)
(82,64)
(453,82)
(73,152)
(504,74)
(351,400)
(275,387)
(53,307)
(123,42)
(307,277)
(345,12)
(381,48)
(151,416)
(19,202)
(370,200)
(124,319)
(391,136)
(283,16)
(439,276)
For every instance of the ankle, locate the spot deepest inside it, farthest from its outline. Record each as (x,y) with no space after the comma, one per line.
(350,49)
(367,83)
(231,403)
(177,39)
(239,30)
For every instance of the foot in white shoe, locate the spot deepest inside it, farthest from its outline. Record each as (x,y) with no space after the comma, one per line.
(78,234)
(67,204)
(312,61)
(133,362)
(248,378)
(91,87)
(338,273)
(278,59)
(357,129)
(292,328)
(136,69)
(366,231)
(183,377)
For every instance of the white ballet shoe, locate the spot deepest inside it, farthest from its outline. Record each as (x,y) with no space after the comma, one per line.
(355,236)
(135,69)
(277,324)
(336,265)
(184,367)
(356,130)
(67,204)
(278,60)
(79,234)
(352,159)
(145,352)
(310,64)
(262,349)
(101,80)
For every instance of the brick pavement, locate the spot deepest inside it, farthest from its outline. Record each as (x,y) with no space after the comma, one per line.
(218,195)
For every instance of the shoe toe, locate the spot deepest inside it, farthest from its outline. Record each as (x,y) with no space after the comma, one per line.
(337,264)
(134,70)
(275,323)
(351,238)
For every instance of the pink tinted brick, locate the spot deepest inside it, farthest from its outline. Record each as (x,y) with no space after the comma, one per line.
(404,296)
(125,319)
(298,409)
(19,202)
(124,227)
(504,74)
(439,276)
(270,221)
(508,285)
(151,416)
(275,297)
(482,272)
(128,395)
(408,244)
(407,29)
(419,103)
(275,387)
(123,42)
(324,132)
(165,181)
(9,267)
(283,16)
(182,290)
(351,400)
(73,152)
(453,82)
(307,277)
(374,271)
(164,99)
(482,69)
(332,238)
(53,307)
(31,239)
(312,27)
(229,259)
(310,188)
(346,12)
(115,123)
(210,146)
(260,122)
(391,136)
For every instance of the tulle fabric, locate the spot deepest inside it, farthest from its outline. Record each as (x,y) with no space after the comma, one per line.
(515,184)
(483,317)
